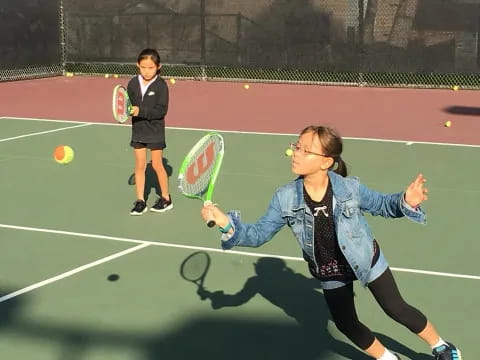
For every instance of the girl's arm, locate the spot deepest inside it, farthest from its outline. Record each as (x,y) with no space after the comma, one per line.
(396,205)
(241,234)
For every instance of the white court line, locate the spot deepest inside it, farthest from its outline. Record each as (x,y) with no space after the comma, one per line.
(43,132)
(71,272)
(409,142)
(114,238)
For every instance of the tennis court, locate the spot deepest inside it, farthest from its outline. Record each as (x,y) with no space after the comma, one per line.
(65,230)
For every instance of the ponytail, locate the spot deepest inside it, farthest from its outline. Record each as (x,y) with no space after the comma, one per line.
(341,168)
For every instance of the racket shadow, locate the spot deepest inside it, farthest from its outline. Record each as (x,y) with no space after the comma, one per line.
(194,268)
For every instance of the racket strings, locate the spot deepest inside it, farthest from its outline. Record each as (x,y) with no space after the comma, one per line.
(121,104)
(200,168)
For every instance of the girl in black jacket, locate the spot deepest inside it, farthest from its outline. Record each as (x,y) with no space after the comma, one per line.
(148,93)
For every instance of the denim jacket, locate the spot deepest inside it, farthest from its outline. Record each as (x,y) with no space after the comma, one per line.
(350,200)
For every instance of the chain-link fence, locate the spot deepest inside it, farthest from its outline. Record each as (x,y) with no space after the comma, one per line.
(30,41)
(422,43)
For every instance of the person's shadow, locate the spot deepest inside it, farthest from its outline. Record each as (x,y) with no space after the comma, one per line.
(298,296)
(151,181)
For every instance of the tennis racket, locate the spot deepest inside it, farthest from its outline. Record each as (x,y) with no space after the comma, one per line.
(121,104)
(200,168)
(195,267)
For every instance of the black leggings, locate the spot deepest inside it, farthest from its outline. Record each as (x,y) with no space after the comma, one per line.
(341,303)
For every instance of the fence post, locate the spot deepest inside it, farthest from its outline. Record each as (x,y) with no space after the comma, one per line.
(202,32)
(238,19)
(63,45)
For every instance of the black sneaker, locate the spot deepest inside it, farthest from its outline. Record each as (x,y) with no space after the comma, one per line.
(139,208)
(446,352)
(162,205)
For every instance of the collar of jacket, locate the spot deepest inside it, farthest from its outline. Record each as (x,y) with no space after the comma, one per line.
(340,190)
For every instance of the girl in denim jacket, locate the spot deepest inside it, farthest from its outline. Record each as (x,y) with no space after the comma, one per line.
(324,209)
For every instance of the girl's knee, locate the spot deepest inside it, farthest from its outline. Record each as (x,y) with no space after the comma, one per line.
(158,167)
(140,167)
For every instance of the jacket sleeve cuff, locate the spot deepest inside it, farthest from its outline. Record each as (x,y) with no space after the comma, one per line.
(229,240)
(416,214)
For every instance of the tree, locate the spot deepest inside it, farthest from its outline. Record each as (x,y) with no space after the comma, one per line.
(402,23)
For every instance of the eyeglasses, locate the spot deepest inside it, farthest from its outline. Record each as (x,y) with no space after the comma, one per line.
(296,147)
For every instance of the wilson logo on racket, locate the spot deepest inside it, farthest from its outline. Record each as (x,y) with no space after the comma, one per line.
(121,104)
(201,164)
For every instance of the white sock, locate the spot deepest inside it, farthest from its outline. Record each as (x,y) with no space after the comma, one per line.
(387,355)
(439,343)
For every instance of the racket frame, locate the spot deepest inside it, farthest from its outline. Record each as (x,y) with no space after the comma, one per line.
(128,104)
(215,171)
(207,199)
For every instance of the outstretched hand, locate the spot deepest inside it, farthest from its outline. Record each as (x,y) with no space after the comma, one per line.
(416,192)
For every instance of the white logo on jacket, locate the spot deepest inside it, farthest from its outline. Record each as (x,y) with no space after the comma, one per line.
(151,93)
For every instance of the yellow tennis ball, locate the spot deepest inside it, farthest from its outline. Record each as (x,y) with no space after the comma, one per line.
(63,154)
(115,76)
(246,86)
(172,80)
(107,76)
(288,152)
(448,123)
(456,88)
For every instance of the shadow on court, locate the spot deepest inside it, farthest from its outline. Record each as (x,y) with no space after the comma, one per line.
(8,309)
(151,181)
(395,346)
(204,337)
(299,298)
(463,110)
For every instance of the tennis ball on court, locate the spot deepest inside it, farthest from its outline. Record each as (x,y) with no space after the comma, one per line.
(448,124)
(172,80)
(456,88)
(246,86)
(107,76)
(115,76)
(288,152)
(69,74)
(63,154)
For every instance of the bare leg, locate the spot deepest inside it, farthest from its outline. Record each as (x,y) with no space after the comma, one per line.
(376,350)
(162,176)
(429,335)
(140,166)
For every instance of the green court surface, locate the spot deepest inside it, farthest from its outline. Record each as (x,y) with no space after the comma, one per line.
(65,229)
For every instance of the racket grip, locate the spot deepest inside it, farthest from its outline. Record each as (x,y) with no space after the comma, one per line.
(210,223)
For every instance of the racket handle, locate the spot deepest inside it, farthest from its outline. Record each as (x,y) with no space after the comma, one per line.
(210,223)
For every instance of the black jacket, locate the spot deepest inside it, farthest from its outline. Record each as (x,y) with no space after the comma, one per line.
(149,125)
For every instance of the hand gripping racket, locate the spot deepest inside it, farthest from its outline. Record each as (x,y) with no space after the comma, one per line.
(121,104)
(200,168)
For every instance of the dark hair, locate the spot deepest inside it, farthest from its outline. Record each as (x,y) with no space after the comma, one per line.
(149,54)
(332,144)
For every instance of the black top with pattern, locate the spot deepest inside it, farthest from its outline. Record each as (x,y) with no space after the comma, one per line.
(330,259)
